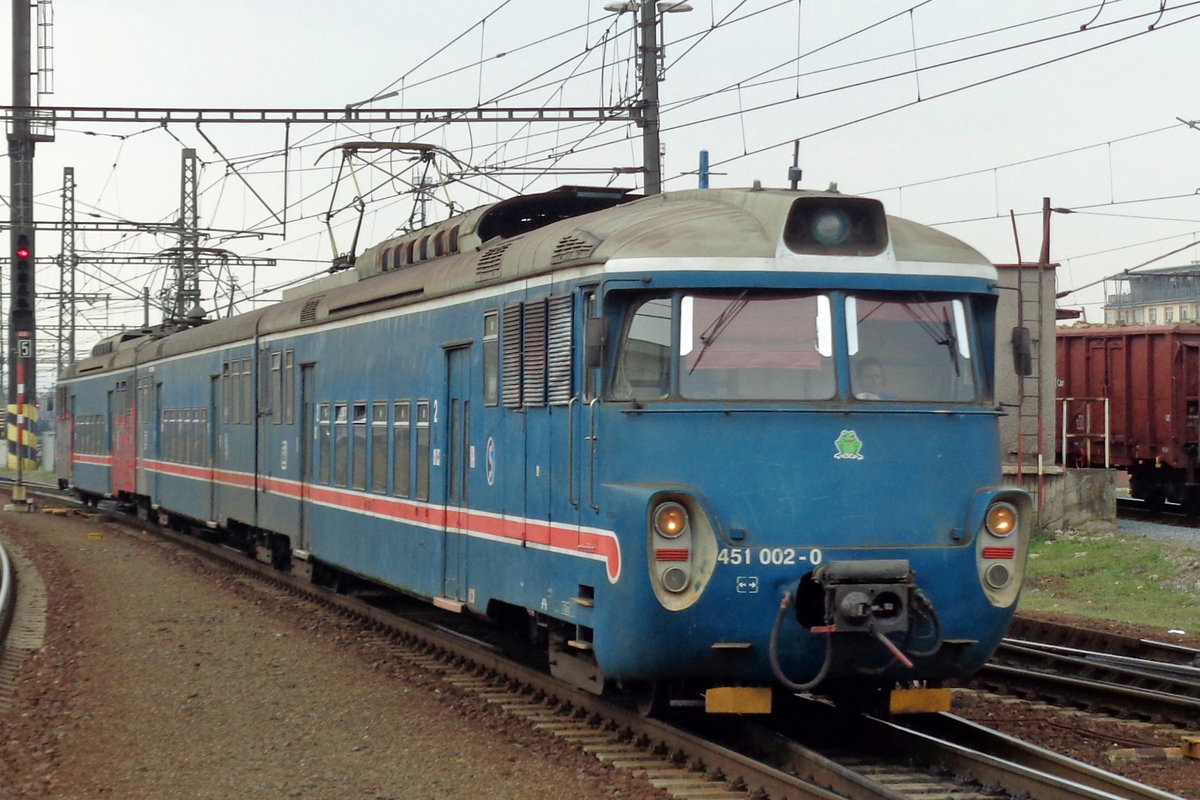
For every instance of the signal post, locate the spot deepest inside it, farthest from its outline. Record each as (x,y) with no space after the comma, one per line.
(22,444)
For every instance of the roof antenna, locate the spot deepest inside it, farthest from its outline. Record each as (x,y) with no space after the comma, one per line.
(794,171)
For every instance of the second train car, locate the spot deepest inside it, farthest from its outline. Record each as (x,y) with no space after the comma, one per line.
(702,444)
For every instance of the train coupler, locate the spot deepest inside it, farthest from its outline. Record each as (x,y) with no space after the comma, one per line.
(870,597)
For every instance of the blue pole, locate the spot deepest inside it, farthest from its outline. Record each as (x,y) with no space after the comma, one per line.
(703,169)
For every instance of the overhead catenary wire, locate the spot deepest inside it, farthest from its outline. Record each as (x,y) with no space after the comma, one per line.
(545,152)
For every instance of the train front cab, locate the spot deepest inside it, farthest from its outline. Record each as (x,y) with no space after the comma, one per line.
(803,527)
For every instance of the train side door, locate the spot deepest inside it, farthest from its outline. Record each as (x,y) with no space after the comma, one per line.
(64,438)
(569,416)
(550,411)
(308,430)
(582,414)
(214,443)
(148,396)
(456,460)
(124,440)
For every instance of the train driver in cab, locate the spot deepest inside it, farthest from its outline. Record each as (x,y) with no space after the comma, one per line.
(869,380)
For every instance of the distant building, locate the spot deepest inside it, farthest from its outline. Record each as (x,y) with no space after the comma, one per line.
(1164,296)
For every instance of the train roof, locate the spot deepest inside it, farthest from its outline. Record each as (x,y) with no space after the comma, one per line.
(536,234)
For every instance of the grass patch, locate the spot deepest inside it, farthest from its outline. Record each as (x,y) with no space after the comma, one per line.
(31,475)
(1111,576)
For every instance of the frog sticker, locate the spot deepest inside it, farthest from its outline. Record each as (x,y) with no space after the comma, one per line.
(848,446)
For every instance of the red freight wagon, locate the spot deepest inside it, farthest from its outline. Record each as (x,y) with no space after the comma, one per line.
(1131,395)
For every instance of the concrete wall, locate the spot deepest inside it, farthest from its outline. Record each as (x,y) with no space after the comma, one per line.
(1076,499)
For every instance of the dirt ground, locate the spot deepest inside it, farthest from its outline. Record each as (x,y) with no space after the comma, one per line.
(161,678)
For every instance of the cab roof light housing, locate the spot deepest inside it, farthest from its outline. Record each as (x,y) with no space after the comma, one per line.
(840,226)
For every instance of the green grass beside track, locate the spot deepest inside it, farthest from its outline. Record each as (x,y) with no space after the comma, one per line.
(1117,577)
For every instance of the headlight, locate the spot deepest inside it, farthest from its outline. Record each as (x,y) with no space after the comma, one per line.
(670,520)
(831,226)
(675,579)
(1001,519)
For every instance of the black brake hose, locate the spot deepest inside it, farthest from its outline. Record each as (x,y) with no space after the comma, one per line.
(773,653)
(928,610)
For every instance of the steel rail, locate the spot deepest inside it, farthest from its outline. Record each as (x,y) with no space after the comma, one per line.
(987,753)
(1093,666)
(1100,696)
(8,594)
(1186,674)
(1029,629)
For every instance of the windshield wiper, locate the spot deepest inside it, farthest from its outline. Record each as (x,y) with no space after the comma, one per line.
(718,326)
(951,341)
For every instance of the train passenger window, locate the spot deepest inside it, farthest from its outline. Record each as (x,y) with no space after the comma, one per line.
(168,439)
(379,446)
(247,392)
(756,347)
(643,363)
(193,437)
(491,357)
(276,382)
(402,449)
(358,477)
(423,449)
(909,347)
(341,444)
(322,434)
(181,450)
(225,392)
(203,412)
(235,391)
(289,387)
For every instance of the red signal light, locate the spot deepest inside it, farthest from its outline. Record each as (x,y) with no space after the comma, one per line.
(22,252)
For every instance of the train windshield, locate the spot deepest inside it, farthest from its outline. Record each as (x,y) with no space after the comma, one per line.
(741,345)
(730,346)
(909,347)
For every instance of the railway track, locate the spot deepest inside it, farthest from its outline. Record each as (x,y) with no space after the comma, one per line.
(1104,673)
(854,757)
(1165,512)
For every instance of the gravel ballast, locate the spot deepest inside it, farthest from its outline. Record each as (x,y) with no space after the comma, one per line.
(162,677)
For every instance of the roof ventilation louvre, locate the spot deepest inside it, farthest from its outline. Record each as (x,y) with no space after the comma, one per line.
(489,262)
(309,312)
(573,246)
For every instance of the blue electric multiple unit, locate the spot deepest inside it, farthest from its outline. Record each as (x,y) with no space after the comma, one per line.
(708,442)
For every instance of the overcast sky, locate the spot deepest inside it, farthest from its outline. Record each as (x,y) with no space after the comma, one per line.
(953,112)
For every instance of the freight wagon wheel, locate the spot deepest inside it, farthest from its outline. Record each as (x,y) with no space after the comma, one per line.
(1155,499)
(1191,501)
